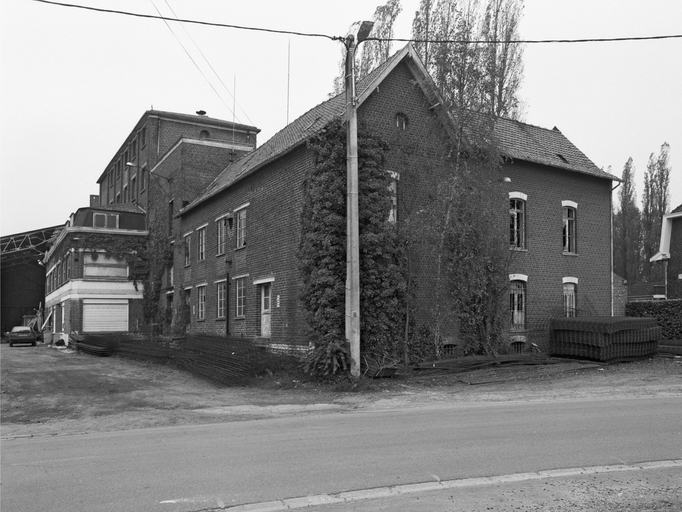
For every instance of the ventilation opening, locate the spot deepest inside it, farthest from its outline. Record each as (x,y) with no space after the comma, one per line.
(517,347)
(401,121)
(562,158)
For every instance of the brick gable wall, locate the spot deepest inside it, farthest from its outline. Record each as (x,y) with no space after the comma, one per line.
(419,155)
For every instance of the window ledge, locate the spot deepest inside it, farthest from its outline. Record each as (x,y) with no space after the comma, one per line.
(518,249)
(240,248)
(566,253)
(240,317)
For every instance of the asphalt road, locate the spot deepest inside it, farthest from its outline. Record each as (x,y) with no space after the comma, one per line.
(210,466)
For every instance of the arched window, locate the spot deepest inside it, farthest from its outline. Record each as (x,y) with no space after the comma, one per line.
(570,210)
(570,296)
(517,301)
(517,220)
(203,134)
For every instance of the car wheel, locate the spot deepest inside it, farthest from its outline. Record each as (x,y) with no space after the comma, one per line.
(34,343)
(11,344)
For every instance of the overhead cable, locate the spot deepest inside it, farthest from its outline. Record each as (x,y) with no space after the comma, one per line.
(341,38)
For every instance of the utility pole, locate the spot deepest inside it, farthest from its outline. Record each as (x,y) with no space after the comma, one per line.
(359,31)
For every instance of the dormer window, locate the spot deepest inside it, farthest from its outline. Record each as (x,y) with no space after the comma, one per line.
(203,134)
(104,220)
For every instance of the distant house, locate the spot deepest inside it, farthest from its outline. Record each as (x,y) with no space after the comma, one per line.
(88,285)
(670,253)
(235,267)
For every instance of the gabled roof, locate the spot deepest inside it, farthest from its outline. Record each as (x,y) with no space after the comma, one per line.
(677,210)
(300,130)
(517,140)
(523,141)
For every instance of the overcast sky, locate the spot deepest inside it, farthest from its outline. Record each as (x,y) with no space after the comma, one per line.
(73,83)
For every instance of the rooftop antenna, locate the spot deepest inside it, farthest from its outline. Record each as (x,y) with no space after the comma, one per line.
(234,109)
(288,76)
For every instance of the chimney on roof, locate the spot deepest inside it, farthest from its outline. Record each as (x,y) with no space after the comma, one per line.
(556,129)
(201,112)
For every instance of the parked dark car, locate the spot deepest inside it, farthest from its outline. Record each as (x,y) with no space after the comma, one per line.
(22,334)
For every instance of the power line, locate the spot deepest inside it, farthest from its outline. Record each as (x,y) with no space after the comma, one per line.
(341,38)
(528,41)
(233,110)
(197,22)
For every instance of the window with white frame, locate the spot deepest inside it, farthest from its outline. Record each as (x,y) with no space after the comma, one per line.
(221,294)
(570,297)
(240,228)
(201,302)
(517,220)
(221,233)
(104,220)
(188,249)
(201,244)
(240,303)
(569,226)
(517,304)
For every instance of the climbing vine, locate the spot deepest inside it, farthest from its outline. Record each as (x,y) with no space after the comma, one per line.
(322,250)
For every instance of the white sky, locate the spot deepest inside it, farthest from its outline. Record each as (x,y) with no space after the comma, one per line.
(73,83)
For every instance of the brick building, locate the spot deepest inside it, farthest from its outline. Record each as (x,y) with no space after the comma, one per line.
(235,269)
(87,282)
(126,177)
(670,253)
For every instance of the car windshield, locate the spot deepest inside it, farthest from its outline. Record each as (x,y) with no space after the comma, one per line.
(21,328)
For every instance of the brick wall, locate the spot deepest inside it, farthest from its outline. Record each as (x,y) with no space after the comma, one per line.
(272,237)
(162,134)
(419,154)
(543,260)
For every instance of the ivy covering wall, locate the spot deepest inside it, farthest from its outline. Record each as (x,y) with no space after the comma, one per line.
(322,251)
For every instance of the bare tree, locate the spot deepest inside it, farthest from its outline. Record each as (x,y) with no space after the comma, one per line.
(502,58)
(483,77)
(375,50)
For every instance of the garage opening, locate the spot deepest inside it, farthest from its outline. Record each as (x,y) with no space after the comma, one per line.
(105,315)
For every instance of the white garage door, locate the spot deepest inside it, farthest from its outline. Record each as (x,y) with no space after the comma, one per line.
(100,315)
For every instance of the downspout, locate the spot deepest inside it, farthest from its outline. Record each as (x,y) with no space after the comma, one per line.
(611,214)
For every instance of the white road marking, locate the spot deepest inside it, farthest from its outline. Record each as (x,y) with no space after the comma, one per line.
(383,492)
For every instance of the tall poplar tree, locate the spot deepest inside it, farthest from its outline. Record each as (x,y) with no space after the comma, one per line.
(484,76)
(655,204)
(627,228)
(502,58)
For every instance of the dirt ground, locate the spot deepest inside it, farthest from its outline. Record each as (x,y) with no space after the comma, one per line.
(49,391)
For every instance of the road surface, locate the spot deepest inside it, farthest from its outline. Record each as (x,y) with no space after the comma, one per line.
(225,465)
